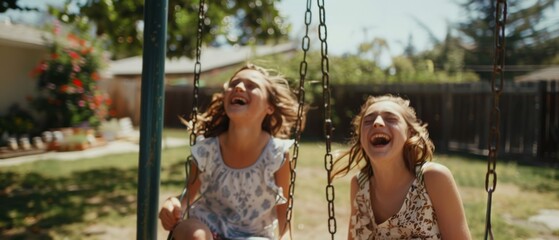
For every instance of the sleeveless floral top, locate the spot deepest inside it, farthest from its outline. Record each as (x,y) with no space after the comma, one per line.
(239,203)
(416,218)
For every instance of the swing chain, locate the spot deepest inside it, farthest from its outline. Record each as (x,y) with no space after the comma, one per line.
(496,89)
(197,71)
(195,95)
(300,111)
(194,113)
(328,159)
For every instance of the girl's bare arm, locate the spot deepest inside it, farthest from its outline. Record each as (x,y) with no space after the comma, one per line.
(447,202)
(353,192)
(172,208)
(283,179)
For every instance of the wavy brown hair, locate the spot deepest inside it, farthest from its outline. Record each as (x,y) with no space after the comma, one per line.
(418,148)
(281,123)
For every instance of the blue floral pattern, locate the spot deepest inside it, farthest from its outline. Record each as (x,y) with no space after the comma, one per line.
(239,203)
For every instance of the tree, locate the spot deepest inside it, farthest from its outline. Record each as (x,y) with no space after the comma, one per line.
(376,47)
(5,5)
(444,62)
(409,49)
(527,42)
(227,22)
(121,21)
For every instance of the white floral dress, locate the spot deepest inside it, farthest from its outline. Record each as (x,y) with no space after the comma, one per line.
(239,203)
(416,218)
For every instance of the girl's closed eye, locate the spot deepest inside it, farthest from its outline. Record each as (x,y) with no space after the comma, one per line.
(247,84)
(368,120)
(233,83)
(391,118)
(250,85)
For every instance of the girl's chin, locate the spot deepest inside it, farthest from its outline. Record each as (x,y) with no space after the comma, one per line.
(234,112)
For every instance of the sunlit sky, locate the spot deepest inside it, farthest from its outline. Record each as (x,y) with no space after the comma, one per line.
(351,22)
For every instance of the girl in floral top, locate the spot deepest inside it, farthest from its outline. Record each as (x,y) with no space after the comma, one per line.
(398,193)
(241,173)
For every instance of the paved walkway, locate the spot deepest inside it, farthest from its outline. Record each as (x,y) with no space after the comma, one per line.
(547,217)
(112,147)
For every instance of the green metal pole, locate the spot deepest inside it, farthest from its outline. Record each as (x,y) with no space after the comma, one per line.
(151,116)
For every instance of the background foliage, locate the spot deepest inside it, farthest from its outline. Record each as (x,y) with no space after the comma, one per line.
(227,22)
(529,41)
(16,122)
(67,82)
(464,55)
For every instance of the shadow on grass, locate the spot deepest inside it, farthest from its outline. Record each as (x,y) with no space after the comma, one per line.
(174,175)
(33,204)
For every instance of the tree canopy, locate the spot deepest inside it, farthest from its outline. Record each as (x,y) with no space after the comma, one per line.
(121,22)
(528,41)
(227,22)
(5,5)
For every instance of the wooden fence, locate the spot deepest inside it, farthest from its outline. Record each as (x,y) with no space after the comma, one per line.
(457,115)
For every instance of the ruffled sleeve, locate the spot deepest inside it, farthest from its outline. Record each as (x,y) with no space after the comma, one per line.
(274,160)
(279,148)
(202,152)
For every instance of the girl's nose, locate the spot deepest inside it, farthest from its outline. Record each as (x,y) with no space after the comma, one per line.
(379,122)
(240,87)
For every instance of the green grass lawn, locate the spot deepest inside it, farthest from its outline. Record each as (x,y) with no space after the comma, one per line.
(82,199)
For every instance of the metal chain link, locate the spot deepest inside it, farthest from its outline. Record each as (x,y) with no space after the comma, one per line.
(328,159)
(305,45)
(194,113)
(197,70)
(195,95)
(496,89)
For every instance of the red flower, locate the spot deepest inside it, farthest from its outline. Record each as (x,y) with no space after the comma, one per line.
(95,76)
(86,51)
(39,69)
(74,55)
(73,38)
(77,82)
(64,88)
(98,99)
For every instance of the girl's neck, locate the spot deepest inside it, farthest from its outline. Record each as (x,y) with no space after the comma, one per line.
(240,149)
(244,137)
(390,177)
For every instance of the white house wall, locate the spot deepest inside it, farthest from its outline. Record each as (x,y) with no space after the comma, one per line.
(15,82)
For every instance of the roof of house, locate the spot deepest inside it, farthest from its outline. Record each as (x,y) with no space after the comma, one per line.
(545,74)
(22,36)
(211,58)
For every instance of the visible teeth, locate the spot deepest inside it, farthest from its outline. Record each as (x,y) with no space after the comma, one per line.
(380,139)
(238,100)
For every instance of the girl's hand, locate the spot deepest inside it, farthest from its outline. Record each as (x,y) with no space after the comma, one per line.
(170,213)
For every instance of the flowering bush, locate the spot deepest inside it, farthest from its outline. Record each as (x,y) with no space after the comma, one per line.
(68,83)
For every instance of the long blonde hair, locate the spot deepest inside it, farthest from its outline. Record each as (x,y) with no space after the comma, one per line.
(280,123)
(418,148)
